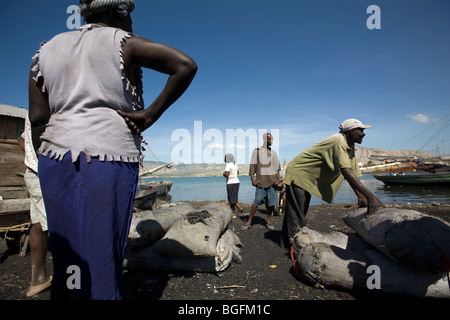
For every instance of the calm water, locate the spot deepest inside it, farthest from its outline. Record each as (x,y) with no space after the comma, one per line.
(213,188)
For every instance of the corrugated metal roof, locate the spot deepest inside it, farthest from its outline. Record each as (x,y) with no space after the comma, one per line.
(13,111)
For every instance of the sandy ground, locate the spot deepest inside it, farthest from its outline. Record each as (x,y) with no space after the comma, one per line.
(265,273)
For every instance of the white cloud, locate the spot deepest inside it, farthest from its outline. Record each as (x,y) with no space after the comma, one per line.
(237,146)
(419,117)
(215,146)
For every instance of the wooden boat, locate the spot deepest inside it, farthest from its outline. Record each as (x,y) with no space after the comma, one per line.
(162,187)
(416,178)
(433,166)
(145,199)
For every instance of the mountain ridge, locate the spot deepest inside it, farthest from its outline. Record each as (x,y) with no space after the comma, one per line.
(365,156)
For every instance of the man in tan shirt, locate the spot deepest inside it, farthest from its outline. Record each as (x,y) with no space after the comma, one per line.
(265,175)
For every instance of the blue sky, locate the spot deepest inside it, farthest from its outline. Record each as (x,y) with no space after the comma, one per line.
(295,67)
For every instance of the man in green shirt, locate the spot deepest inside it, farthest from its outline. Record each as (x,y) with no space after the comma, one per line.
(319,170)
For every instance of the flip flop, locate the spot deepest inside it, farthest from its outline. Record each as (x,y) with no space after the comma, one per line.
(34,290)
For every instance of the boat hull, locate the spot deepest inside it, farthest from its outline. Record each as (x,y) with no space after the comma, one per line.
(416,179)
(145,199)
(162,187)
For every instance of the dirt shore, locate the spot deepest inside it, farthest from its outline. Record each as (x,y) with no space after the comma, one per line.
(264,274)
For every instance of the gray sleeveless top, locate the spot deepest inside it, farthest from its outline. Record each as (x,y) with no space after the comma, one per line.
(83,73)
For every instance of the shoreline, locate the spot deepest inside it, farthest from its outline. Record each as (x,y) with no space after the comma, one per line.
(265,272)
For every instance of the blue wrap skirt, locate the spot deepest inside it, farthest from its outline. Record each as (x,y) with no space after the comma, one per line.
(89,209)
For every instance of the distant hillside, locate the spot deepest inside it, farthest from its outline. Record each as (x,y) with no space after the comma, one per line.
(191,170)
(378,156)
(375,156)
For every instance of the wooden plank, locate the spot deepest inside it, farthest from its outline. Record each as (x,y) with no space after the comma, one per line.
(11,153)
(14,212)
(9,181)
(13,192)
(12,170)
(14,219)
(14,189)
(14,205)
(9,141)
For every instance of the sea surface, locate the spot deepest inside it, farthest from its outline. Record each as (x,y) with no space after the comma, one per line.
(214,189)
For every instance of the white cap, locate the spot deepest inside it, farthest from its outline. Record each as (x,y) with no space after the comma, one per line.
(350,124)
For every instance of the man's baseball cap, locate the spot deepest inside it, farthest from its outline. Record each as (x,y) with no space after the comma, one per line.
(350,124)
